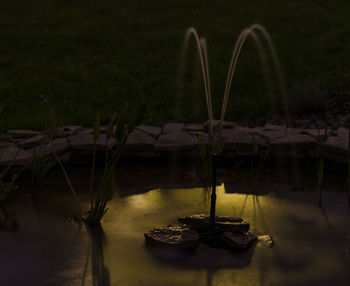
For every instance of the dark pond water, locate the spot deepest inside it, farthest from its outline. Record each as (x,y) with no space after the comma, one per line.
(311,243)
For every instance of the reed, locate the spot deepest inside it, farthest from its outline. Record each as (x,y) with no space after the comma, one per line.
(321,156)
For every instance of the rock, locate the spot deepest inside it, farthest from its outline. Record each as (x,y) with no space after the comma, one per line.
(238,240)
(176,141)
(83,143)
(240,143)
(225,124)
(342,132)
(59,145)
(14,156)
(200,137)
(23,134)
(69,130)
(337,149)
(33,141)
(194,127)
(202,222)
(272,127)
(266,240)
(317,134)
(138,140)
(170,128)
(86,131)
(6,145)
(174,236)
(293,145)
(150,130)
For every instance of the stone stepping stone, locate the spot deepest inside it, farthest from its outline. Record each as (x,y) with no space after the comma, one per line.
(33,141)
(139,140)
(175,141)
(174,236)
(150,130)
(238,240)
(202,222)
(23,134)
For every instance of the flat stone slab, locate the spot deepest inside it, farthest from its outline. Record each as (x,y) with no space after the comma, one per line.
(176,141)
(23,134)
(15,156)
(139,140)
(170,128)
(194,127)
(83,143)
(202,222)
(6,144)
(174,236)
(33,141)
(317,134)
(150,130)
(225,124)
(293,145)
(273,127)
(238,240)
(69,130)
(59,146)
(337,149)
(240,143)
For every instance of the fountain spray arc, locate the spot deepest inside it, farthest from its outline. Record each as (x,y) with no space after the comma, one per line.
(252,31)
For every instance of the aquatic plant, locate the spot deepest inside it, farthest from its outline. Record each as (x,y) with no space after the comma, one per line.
(321,155)
(348,159)
(119,127)
(7,178)
(41,165)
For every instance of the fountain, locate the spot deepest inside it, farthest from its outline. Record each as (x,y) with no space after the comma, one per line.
(214,230)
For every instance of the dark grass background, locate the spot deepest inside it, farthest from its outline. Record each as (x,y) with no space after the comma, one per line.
(89,55)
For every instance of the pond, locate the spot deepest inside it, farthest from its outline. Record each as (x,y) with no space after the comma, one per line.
(311,244)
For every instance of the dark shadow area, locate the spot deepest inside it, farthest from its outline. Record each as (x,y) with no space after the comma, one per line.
(98,242)
(8,221)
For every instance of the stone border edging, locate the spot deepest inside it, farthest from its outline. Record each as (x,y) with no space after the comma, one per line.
(176,138)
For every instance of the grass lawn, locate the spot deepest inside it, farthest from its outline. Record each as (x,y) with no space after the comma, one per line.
(89,55)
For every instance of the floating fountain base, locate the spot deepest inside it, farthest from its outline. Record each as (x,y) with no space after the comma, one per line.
(224,232)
